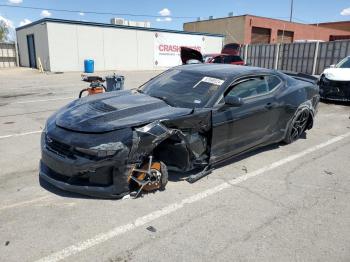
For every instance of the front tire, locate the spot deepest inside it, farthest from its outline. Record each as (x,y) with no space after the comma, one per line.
(297,126)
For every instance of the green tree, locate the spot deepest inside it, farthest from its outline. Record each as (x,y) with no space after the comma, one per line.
(4,31)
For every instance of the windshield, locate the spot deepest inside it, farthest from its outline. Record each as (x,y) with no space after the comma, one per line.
(345,63)
(181,88)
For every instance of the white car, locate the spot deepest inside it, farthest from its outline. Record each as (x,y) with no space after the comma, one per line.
(335,81)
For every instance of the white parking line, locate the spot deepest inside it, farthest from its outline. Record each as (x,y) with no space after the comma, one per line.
(103,237)
(21,134)
(43,100)
(24,203)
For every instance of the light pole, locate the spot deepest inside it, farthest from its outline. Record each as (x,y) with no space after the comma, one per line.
(291,10)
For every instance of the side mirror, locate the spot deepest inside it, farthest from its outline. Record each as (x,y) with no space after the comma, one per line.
(332,66)
(233,101)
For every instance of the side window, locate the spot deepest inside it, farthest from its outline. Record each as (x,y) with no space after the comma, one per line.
(272,82)
(249,87)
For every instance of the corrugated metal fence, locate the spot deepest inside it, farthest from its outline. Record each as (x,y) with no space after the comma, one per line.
(8,56)
(308,58)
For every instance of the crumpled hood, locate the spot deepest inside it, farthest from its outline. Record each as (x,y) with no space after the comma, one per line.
(115,110)
(337,74)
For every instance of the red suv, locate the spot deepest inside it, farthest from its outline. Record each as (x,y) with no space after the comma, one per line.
(232,49)
(189,55)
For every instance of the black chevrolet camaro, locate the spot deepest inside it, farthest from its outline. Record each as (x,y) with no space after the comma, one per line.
(186,120)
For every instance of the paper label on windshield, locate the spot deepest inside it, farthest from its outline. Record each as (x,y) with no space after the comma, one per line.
(210,80)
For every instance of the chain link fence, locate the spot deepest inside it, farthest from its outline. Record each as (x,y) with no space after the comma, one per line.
(309,58)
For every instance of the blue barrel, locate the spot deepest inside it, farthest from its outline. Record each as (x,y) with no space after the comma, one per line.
(88,66)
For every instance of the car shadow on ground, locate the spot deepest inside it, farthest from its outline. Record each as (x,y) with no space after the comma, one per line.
(52,189)
(178,176)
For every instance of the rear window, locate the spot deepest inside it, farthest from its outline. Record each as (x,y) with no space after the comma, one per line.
(272,82)
(232,46)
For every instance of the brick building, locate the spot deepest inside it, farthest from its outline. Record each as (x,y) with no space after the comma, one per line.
(250,29)
(341,25)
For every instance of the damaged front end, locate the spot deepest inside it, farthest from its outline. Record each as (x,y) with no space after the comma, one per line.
(133,159)
(179,145)
(89,164)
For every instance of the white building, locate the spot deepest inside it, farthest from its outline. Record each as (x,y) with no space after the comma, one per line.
(63,45)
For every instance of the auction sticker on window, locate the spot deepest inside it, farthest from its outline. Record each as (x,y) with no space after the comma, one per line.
(210,80)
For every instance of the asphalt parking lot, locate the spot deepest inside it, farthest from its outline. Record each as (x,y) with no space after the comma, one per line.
(281,203)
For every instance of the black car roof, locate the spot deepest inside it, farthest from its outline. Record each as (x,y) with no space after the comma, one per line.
(223,70)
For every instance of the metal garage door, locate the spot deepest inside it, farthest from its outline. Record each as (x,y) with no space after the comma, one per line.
(260,35)
(285,36)
(31,51)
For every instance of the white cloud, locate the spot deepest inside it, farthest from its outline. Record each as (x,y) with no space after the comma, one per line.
(45,13)
(25,21)
(15,2)
(166,19)
(81,14)
(164,12)
(345,11)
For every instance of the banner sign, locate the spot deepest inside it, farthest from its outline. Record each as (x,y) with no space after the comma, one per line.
(167,47)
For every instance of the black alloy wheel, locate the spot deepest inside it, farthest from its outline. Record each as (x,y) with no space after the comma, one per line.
(297,126)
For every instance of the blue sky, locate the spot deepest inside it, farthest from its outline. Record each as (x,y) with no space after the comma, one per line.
(308,11)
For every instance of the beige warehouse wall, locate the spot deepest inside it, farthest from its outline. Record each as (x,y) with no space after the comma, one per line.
(212,45)
(40,41)
(91,46)
(106,46)
(120,49)
(145,50)
(232,28)
(63,43)
(110,48)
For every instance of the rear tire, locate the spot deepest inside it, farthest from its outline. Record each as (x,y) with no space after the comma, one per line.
(297,126)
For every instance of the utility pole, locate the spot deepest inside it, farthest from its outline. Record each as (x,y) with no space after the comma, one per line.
(291,10)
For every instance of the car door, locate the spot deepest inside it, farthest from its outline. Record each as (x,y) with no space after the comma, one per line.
(237,129)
